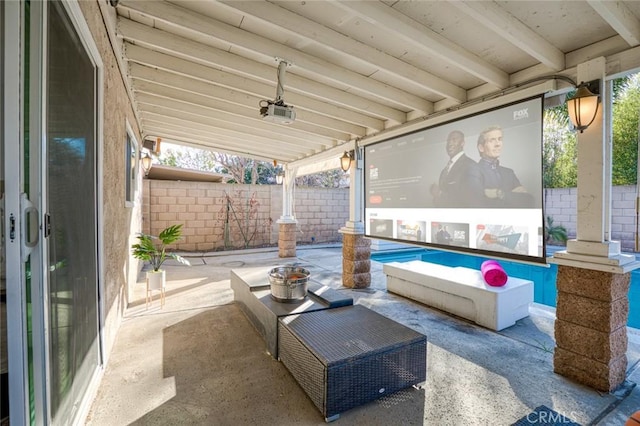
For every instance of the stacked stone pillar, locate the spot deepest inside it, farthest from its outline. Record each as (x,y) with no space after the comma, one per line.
(287,239)
(356,261)
(590,328)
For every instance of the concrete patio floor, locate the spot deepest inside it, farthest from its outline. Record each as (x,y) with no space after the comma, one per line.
(199,361)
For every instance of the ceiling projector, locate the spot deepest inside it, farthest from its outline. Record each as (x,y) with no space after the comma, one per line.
(278,112)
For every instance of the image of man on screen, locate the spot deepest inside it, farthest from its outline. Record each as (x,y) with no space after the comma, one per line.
(443,236)
(500,185)
(456,185)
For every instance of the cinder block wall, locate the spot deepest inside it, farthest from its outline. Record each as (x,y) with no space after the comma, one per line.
(561,205)
(320,213)
(212,223)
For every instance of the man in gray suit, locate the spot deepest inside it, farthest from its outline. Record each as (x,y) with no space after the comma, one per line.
(500,185)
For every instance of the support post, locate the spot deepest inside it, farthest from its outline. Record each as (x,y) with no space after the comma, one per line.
(593,275)
(356,249)
(287,222)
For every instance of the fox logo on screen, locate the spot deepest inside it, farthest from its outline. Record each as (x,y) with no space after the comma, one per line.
(520,114)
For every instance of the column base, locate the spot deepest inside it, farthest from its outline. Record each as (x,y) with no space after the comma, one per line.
(356,263)
(582,369)
(356,280)
(287,239)
(590,328)
(598,256)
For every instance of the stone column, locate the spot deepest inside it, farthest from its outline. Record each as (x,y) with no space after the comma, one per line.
(356,249)
(356,263)
(590,327)
(287,239)
(287,222)
(593,274)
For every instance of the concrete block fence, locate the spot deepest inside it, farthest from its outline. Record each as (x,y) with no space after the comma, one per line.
(561,205)
(320,212)
(217,216)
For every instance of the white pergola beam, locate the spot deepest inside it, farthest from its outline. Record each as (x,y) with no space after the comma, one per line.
(205,135)
(423,38)
(187,84)
(347,46)
(223,107)
(161,105)
(173,45)
(226,127)
(240,39)
(620,18)
(187,127)
(219,149)
(275,143)
(225,79)
(222,145)
(498,20)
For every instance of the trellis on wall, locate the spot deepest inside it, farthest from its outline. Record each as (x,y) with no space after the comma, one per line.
(242,219)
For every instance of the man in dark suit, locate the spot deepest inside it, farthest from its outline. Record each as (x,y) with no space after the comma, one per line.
(500,185)
(458,183)
(443,236)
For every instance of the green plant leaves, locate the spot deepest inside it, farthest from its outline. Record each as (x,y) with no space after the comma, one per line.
(149,250)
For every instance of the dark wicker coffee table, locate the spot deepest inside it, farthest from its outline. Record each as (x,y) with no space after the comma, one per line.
(252,292)
(345,357)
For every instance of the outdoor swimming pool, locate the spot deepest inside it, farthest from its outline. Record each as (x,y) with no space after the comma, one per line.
(543,277)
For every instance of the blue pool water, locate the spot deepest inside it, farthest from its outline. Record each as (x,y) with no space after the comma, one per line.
(543,276)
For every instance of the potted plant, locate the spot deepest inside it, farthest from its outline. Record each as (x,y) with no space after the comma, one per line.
(153,250)
(554,233)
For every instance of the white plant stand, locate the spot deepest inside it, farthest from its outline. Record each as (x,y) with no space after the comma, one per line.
(155,281)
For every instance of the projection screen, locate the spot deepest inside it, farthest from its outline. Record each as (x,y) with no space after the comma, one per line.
(472,185)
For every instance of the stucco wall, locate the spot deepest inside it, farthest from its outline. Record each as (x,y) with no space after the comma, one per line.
(249,214)
(561,205)
(118,223)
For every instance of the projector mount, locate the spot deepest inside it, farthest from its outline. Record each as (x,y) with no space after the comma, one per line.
(276,110)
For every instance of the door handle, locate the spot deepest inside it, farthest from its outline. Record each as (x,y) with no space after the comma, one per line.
(30,226)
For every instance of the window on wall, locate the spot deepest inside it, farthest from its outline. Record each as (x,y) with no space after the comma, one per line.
(131,167)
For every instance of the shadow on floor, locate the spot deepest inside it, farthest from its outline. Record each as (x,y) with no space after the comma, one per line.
(223,375)
(198,361)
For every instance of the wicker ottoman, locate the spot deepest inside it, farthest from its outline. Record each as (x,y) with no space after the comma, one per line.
(252,292)
(345,357)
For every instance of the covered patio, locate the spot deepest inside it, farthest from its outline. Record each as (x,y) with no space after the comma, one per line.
(351,74)
(212,74)
(357,73)
(198,360)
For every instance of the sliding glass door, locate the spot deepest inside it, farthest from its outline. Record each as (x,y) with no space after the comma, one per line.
(70,214)
(49,117)
(15,407)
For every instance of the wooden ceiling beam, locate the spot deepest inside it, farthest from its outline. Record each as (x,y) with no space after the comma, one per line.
(172,45)
(620,18)
(302,63)
(424,39)
(501,22)
(346,46)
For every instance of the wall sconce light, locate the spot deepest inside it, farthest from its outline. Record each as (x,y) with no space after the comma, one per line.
(583,106)
(146,161)
(279,177)
(345,160)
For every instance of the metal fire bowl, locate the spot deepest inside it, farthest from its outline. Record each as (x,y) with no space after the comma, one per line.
(288,283)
